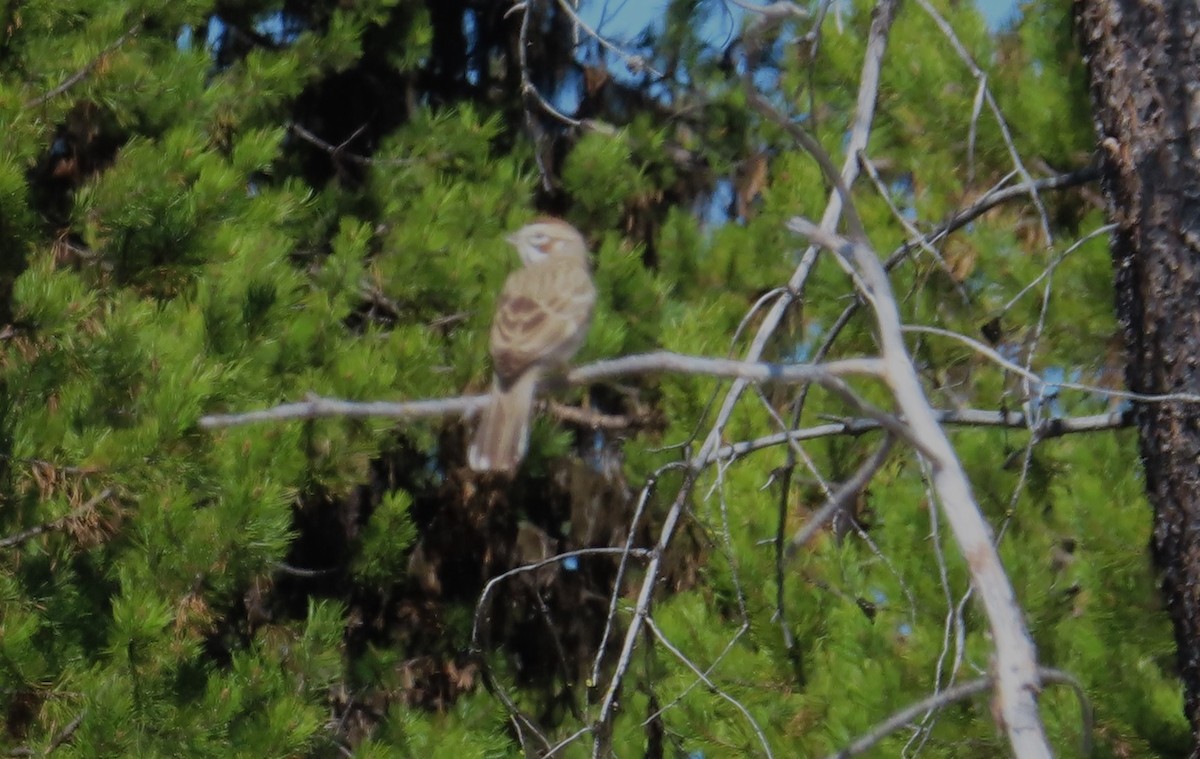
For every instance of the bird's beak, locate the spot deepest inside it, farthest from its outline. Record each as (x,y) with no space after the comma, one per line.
(511,239)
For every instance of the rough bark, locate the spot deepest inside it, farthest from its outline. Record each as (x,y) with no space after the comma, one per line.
(1143,60)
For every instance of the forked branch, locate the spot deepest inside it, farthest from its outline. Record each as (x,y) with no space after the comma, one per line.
(1015,663)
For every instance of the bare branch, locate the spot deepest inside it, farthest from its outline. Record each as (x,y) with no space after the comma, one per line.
(65,734)
(316,407)
(1049,270)
(957,221)
(906,715)
(59,739)
(603,724)
(992,199)
(528,88)
(646,363)
(481,604)
(337,152)
(986,92)
(594,420)
(1033,377)
(1087,717)
(703,677)
(961,692)
(779,11)
(1017,680)
(633,62)
(1048,428)
(868,89)
(619,581)
(909,227)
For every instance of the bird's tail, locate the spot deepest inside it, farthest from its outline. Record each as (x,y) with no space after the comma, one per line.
(502,437)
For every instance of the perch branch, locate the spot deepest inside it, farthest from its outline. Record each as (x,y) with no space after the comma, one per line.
(646,363)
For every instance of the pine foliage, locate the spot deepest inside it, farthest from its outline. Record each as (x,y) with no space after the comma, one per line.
(222,207)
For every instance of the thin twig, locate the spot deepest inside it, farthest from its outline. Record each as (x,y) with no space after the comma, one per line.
(79,75)
(1049,270)
(910,228)
(480,606)
(994,107)
(62,737)
(989,201)
(1048,428)
(339,151)
(957,221)
(619,581)
(57,524)
(1000,360)
(603,724)
(528,88)
(958,693)
(1087,716)
(594,420)
(65,734)
(702,676)
(841,497)
(779,10)
(907,714)
(288,569)
(635,63)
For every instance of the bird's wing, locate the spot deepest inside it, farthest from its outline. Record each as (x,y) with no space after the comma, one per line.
(542,317)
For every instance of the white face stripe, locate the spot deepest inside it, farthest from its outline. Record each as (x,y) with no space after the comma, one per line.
(542,240)
(531,255)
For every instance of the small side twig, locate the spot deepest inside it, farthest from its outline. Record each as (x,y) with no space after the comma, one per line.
(66,733)
(339,151)
(964,691)
(79,75)
(602,727)
(840,497)
(911,712)
(864,114)
(57,524)
(62,737)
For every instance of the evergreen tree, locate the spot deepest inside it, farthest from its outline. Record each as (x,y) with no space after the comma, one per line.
(212,208)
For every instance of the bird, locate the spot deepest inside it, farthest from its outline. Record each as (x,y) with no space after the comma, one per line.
(542,319)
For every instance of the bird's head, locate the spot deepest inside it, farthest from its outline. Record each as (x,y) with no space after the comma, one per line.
(548,238)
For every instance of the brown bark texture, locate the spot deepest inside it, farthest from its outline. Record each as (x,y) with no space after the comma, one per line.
(1143,61)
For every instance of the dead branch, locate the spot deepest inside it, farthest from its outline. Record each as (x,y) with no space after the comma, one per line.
(961,692)
(647,363)
(1017,682)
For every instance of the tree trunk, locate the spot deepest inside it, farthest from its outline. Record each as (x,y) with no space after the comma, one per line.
(1143,61)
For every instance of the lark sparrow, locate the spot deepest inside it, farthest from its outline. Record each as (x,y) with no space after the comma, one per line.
(541,320)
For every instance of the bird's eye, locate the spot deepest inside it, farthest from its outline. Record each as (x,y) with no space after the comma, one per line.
(539,239)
